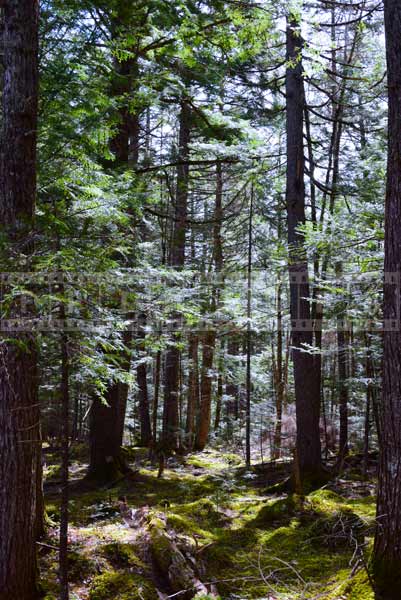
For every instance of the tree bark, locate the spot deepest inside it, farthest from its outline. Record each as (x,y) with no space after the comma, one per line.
(193,390)
(64,514)
(209,340)
(19,409)
(249,338)
(307,383)
(387,547)
(171,425)
(206,389)
(141,374)
(342,362)
(108,418)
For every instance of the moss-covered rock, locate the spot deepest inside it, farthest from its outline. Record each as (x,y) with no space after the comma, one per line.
(121,586)
(160,543)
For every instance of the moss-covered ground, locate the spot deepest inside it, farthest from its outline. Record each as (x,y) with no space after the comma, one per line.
(251,545)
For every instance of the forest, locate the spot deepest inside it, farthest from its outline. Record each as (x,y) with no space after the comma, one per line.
(200,300)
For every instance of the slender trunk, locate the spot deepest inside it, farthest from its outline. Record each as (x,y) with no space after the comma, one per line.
(156,392)
(342,362)
(249,338)
(219,392)
(64,517)
(171,425)
(193,390)
(278,378)
(19,409)
(306,378)
(205,389)
(141,373)
(231,387)
(387,547)
(210,336)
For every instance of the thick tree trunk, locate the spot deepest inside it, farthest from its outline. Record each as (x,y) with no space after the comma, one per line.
(106,434)
(19,409)
(306,379)
(387,547)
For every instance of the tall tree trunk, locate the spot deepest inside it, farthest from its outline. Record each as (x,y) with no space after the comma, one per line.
(387,547)
(209,340)
(144,414)
(249,337)
(65,415)
(219,391)
(171,425)
(107,419)
(278,374)
(193,390)
(342,362)
(205,389)
(231,387)
(307,382)
(19,409)
(156,391)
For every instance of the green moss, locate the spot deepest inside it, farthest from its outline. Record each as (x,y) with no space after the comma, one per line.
(121,586)
(357,587)
(325,498)
(205,513)
(341,529)
(182,524)
(279,510)
(122,555)
(160,543)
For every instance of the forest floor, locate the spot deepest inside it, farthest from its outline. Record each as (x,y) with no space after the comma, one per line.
(210,522)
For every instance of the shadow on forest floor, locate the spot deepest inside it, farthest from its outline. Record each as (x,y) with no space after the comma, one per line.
(251,545)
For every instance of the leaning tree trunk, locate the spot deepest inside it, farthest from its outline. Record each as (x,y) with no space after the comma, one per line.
(306,378)
(19,410)
(387,547)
